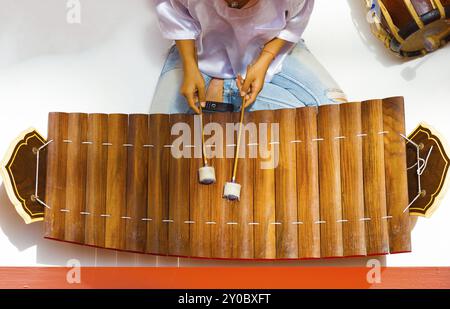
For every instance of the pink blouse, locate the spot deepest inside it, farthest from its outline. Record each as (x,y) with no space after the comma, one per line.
(229,39)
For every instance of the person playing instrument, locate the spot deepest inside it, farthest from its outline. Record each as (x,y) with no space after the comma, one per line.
(255,46)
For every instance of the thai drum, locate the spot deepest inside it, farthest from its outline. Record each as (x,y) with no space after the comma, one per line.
(410,28)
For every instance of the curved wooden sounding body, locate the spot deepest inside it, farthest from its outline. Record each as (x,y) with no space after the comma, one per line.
(328,181)
(18,170)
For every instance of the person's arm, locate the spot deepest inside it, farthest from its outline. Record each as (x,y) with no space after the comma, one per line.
(298,17)
(256,73)
(193,86)
(177,24)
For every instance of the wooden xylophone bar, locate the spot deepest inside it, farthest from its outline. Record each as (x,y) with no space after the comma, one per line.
(339,189)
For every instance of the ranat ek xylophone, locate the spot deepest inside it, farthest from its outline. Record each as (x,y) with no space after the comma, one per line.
(329,181)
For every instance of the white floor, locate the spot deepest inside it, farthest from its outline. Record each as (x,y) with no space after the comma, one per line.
(110,63)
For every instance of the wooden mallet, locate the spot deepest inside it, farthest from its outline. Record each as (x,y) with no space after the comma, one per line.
(206,173)
(232,190)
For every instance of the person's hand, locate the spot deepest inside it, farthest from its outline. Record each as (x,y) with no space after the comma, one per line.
(193,87)
(253,83)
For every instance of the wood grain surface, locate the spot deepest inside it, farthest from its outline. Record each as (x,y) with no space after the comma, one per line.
(396,175)
(179,173)
(116,181)
(137,183)
(377,241)
(221,208)
(352,180)
(55,189)
(96,176)
(76,177)
(243,232)
(330,181)
(264,192)
(158,185)
(200,208)
(286,186)
(308,202)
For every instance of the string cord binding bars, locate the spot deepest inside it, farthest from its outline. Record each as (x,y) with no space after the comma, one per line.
(36,188)
(421,165)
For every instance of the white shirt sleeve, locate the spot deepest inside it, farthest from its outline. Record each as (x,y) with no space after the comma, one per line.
(297,18)
(175,21)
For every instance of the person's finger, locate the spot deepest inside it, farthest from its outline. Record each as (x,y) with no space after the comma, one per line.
(190,98)
(240,85)
(239,82)
(247,83)
(201,95)
(256,88)
(249,92)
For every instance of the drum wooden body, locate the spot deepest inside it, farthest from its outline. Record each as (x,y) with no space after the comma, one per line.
(328,181)
(411,27)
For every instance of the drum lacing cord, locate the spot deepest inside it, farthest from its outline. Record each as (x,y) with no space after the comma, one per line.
(36,188)
(413,13)
(394,29)
(421,165)
(440,7)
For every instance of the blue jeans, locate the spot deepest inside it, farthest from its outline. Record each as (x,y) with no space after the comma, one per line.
(302,81)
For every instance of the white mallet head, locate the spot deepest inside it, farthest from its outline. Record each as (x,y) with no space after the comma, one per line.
(232,191)
(207,175)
